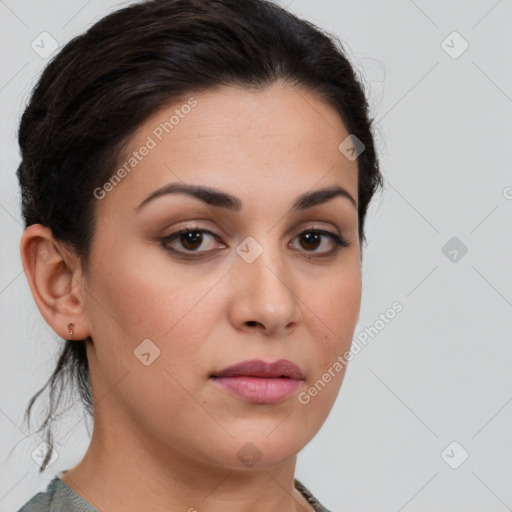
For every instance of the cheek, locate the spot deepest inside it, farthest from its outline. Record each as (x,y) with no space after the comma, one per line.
(175,312)
(336,303)
(146,294)
(338,310)
(136,299)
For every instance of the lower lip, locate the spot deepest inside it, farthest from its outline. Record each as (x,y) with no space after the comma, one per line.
(259,390)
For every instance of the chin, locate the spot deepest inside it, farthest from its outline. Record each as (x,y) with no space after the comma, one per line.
(262,450)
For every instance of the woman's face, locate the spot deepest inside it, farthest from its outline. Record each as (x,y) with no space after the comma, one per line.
(168,313)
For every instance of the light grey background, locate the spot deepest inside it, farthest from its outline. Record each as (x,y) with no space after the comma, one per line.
(438,372)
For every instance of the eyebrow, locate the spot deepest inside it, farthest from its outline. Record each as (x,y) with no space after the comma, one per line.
(215,197)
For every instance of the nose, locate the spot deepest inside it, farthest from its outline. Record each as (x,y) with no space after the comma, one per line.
(264,297)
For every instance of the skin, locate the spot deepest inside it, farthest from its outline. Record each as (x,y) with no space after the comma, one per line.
(164,431)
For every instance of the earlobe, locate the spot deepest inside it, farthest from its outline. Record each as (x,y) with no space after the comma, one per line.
(54,276)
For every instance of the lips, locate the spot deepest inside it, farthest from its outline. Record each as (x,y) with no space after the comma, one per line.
(257,368)
(260,382)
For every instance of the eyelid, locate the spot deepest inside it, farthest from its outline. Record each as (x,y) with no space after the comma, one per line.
(337,238)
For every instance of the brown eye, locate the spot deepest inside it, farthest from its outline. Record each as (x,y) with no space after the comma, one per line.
(189,241)
(312,239)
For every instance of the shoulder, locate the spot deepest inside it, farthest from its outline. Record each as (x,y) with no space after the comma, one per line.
(58,497)
(41,501)
(309,496)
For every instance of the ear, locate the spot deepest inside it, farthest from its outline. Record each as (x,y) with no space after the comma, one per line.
(56,281)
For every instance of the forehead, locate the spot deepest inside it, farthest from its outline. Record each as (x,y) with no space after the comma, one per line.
(281,138)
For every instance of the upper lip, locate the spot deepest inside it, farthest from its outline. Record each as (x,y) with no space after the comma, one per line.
(258,368)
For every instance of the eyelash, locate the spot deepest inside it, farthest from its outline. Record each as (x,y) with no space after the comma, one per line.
(338,240)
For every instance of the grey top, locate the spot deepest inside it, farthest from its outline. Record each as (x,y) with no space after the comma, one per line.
(59,497)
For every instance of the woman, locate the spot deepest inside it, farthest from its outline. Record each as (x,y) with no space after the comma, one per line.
(195,177)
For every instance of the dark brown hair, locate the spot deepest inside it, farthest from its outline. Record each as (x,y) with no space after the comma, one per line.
(103,84)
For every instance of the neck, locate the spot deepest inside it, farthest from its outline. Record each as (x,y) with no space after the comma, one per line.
(121,472)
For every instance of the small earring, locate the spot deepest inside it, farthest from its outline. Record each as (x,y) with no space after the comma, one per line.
(70,327)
